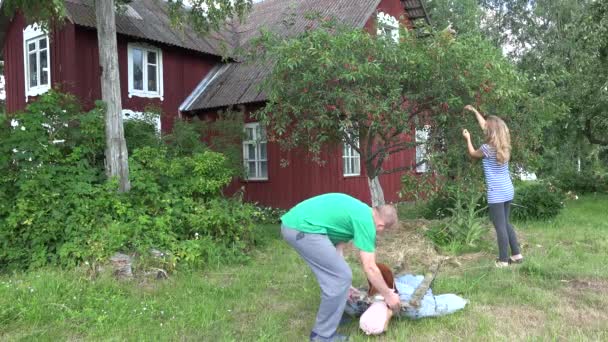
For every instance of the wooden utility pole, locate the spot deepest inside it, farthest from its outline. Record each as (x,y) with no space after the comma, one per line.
(117,158)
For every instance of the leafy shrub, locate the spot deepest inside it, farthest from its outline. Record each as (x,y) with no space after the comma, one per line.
(441,203)
(537,200)
(58,208)
(267,215)
(463,229)
(582,182)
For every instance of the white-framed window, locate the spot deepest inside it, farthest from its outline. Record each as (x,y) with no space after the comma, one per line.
(145,71)
(351,159)
(388,26)
(150,118)
(36,61)
(422,136)
(255,154)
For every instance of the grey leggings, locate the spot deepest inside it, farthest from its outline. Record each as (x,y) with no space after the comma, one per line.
(499,213)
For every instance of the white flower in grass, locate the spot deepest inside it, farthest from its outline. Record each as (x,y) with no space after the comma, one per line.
(15,150)
(23,128)
(58,141)
(14,123)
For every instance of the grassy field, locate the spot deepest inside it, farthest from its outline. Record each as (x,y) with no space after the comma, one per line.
(560,293)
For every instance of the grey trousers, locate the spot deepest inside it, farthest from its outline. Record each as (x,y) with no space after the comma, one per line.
(505,234)
(332,273)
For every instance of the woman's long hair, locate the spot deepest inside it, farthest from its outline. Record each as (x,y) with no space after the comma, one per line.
(498,136)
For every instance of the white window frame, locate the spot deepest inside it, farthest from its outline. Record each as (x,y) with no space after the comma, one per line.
(257,139)
(159,93)
(33,33)
(349,154)
(422,137)
(128,114)
(387,24)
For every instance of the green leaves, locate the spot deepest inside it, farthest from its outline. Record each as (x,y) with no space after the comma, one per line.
(57,207)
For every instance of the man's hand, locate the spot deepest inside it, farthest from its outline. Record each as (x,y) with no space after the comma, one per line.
(368,261)
(393,301)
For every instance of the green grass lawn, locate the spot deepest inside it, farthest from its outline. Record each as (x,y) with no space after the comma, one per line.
(560,293)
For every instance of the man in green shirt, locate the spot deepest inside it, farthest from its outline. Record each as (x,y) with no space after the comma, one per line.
(318,229)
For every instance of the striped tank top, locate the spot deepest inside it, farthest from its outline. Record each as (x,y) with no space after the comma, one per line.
(498,179)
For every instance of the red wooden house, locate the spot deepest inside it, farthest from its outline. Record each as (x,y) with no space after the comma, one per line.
(183,74)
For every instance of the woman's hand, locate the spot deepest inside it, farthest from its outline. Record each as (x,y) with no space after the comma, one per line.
(470,108)
(466,134)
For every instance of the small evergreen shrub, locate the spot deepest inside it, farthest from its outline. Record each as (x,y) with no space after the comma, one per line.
(582,182)
(463,229)
(537,201)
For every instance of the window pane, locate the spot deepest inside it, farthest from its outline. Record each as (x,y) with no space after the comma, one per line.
(42,43)
(152,57)
(152,78)
(261,133)
(249,133)
(251,172)
(251,152)
(31,46)
(33,70)
(357,168)
(138,75)
(263,169)
(263,151)
(44,72)
(347,166)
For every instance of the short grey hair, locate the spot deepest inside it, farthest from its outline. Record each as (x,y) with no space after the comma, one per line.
(388,214)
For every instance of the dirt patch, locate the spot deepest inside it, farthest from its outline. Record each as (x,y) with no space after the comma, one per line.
(514,322)
(408,250)
(585,302)
(405,249)
(598,286)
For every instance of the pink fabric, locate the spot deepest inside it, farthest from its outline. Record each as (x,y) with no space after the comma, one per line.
(375,319)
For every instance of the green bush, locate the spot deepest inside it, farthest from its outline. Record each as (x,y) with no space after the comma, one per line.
(462,230)
(58,208)
(441,203)
(267,215)
(582,182)
(537,201)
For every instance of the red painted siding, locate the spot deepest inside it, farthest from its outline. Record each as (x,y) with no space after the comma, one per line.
(303,178)
(182,71)
(62,56)
(13,66)
(392,7)
(75,68)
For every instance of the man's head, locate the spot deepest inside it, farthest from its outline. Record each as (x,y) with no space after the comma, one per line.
(385,217)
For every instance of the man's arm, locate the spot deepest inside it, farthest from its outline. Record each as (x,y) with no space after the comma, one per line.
(368,262)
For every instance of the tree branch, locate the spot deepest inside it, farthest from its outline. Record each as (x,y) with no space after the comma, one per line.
(398,148)
(403,168)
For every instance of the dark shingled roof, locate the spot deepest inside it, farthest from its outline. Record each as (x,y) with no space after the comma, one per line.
(149,19)
(238,83)
(415,10)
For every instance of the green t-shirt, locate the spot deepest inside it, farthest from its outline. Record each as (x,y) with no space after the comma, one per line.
(341,217)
